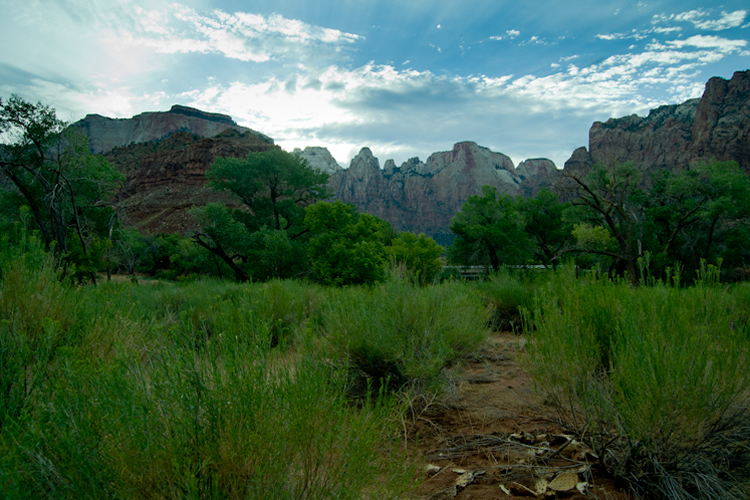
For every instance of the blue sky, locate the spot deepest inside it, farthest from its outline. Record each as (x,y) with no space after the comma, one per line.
(404,78)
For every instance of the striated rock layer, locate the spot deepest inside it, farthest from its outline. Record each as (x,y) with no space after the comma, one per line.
(165,179)
(104,133)
(422,197)
(676,136)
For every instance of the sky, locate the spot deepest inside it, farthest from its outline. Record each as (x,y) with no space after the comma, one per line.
(404,78)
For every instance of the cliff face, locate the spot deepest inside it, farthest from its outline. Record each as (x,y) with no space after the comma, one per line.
(423,196)
(165,179)
(105,134)
(674,137)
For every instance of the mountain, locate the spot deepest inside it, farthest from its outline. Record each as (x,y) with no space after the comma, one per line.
(165,179)
(422,197)
(676,136)
(104,133)
(165,156)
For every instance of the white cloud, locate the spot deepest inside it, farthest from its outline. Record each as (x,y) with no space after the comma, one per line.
(512,33)
(698,18)
(724,45)
(243,36)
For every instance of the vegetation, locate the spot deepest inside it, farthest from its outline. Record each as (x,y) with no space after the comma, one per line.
(265,239)
(654,379)
(295,389)
(61,184)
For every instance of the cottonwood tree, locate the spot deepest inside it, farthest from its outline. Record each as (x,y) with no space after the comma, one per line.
(609,198)
(489,231)
(64,186)
(346,248)
(699,213)
(266,237)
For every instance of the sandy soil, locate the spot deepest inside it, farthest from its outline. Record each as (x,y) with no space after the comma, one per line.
(490,437)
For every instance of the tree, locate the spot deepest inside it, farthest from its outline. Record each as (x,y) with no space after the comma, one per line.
(694,213)
(545,225)
(345,247)
(64,186)
(419,254)
(489,231)
(609,198)
(266,237)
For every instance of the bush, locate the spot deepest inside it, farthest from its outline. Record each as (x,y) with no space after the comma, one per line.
(506,296)
(654,378)
(191,401)
(399,333)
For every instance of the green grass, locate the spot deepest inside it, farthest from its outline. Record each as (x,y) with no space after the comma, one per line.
(204,390)
(654,378)
(400,333)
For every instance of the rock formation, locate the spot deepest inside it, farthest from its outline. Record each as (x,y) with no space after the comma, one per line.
(676,136)
(165,179)
(319,158)
(422,197)
(105,133)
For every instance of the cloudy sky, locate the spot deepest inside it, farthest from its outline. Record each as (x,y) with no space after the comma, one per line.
(406,78)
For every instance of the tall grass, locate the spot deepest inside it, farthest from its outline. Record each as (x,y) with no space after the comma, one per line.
(507,295)
(400,333)
(192,391)
(655,378)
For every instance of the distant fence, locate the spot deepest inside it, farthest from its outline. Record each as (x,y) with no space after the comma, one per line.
(474,272)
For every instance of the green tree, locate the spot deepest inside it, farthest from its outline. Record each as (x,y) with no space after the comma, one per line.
(699,213)
(545,225)
(345,247)
(420,255)
(64,186)
(489,231)
(608,197)
(266,237)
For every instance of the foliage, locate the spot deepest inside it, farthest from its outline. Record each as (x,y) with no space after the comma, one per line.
(489,231)
(63,185)
(419,254)
(399,334)
(345,247)
(654,379)
(173,391)
(507,297)
(266,238)
(545,224)
(609,199)
(37,316)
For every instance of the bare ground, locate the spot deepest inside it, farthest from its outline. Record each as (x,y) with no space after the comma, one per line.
(491,437)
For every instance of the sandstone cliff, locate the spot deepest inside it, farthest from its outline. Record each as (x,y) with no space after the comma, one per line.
(676,136)
(319,158)
(165,179)
(105,133)
(423,196)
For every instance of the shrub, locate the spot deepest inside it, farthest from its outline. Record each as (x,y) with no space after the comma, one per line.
(506,296)
(654,378)
(401,333)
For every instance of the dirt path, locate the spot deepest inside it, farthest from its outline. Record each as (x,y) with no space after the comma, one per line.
(489,437)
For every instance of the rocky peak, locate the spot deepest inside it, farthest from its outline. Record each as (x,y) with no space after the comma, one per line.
(104,133)
(676,136)
(364,164)
(319,158)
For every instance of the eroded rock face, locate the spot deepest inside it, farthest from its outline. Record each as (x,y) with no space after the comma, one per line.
(319,158)
(165,183)
(722,121)
(423,196)
(674,137)
(107,133)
